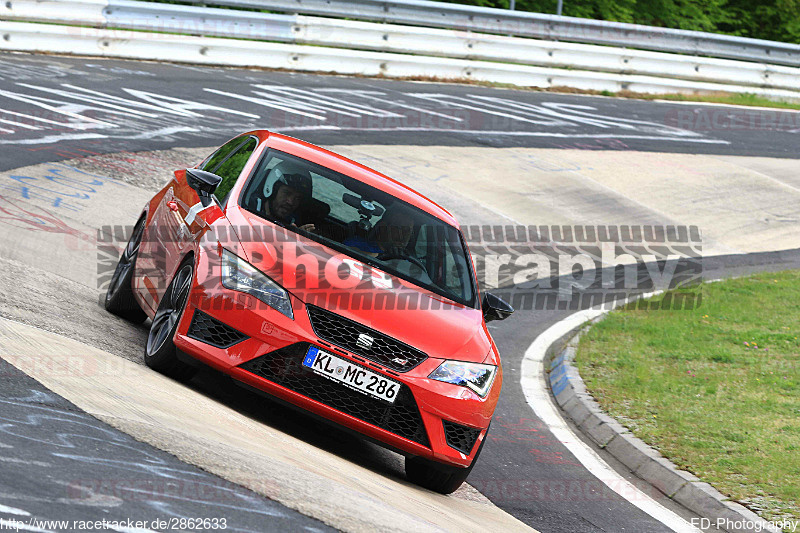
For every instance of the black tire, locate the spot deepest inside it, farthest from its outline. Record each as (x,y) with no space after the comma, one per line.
(119,296)
(438,477)
(160,353)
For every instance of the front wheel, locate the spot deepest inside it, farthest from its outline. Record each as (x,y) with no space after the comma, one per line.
(119,297)
(160,354)
(438,477)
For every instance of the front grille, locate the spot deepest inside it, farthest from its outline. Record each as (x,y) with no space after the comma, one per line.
(462,438)
(208,329)
(345,333)
(285,368)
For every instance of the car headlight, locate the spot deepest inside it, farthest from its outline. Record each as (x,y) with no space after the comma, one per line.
(474,376)
(239,275)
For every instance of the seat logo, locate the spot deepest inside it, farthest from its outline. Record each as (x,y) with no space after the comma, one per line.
(364,341)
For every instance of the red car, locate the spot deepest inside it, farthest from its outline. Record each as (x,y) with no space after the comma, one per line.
(327,285)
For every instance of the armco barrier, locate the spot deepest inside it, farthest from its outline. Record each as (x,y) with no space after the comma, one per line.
(170,18)
(29,37)
(464,45)
(536,25)
(407,50)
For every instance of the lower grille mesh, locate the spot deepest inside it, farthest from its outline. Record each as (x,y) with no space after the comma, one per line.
(285,368)
(208,329)
(462,438)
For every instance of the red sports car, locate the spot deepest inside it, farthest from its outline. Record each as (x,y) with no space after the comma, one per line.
(326,285)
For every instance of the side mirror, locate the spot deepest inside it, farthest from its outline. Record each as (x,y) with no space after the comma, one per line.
(495,308)
(205,183)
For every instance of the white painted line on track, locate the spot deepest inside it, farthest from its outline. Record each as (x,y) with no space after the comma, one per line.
(343,107)
(370,95)
(534,387)
(13,510)
(448,100)
(18,124)
(163,132)
(51,139)
(272,102)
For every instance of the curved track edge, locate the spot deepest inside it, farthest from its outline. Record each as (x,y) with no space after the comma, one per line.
(203,432)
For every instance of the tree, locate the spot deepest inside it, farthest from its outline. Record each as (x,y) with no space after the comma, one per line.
(776,20)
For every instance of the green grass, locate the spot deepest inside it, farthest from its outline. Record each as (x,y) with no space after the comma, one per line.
(716,389)
(744,99)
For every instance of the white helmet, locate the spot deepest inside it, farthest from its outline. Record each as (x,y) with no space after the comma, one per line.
(288,173)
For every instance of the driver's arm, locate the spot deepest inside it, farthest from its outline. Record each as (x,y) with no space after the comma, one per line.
(307,227)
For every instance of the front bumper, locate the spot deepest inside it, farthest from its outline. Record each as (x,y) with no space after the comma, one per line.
(266,353)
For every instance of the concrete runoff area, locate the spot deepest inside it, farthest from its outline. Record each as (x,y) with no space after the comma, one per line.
(201,431)
(48,244)
(51,212)
(741,204)
(50,256)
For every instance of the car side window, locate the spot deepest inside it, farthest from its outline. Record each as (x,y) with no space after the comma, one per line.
(217,157)
(228,163)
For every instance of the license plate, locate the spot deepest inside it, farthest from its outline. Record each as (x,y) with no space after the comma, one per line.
(351,375)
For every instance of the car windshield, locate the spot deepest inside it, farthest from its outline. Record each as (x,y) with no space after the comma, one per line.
(362,222)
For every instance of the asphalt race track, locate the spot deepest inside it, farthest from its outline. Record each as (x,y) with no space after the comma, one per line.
(60,463)
(89,471)
(69,107)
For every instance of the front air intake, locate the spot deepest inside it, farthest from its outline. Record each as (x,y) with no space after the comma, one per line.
(462,438)
(284,367)
(209,330)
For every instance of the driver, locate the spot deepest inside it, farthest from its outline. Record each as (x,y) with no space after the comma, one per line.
(287,186)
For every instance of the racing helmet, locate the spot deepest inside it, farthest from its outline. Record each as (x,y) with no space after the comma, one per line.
(288,173)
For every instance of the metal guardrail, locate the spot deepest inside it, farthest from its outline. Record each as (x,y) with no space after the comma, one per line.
(152,16)
(131,14)
(535,25)
(422,41)
(555,54)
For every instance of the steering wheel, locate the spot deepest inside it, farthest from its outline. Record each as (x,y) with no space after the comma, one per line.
(396,255)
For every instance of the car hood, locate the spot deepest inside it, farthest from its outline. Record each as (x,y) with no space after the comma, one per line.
(434,324)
